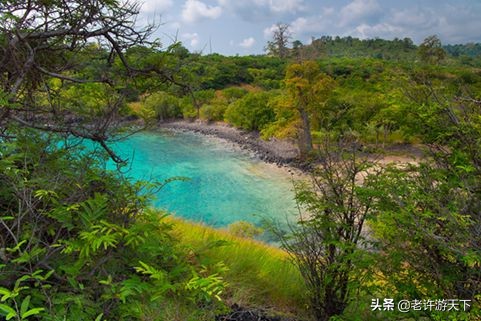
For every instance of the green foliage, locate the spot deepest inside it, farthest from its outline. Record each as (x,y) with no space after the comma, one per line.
(308,85)
(10,309)
(469,49)
(428,236)
(198,99)
(286,122)
(164,105)
(231,94)
(214,112)
(372,79)
(396,49)
(429,213)
(215,107)
(188,109)
(209,287)
(251,112)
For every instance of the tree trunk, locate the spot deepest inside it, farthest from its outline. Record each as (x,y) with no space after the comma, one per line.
(386,130)
(305,138)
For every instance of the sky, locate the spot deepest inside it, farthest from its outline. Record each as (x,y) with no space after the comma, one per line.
(243,27)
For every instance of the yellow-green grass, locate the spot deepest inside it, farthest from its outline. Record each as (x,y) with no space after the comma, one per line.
(259,275)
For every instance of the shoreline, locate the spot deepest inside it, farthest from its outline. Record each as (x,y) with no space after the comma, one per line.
(281,152)
(275,151)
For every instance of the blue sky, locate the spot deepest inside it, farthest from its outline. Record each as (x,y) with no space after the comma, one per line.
(244,26)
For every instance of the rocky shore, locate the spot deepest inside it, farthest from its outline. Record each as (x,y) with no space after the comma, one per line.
(242,314)
(280,152)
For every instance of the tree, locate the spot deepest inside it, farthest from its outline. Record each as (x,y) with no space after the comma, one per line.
(431,51)
(326,243)
(308,92)
(45,47)
(280,39)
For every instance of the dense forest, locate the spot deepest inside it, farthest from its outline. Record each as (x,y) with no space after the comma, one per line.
(80,242)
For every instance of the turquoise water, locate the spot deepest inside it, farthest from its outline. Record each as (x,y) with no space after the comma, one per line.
(225,183)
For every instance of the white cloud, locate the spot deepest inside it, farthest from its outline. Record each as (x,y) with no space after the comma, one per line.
(247,43)
(194,11)
(271,5)
(312,25)
(415,18)
(285,5)
(192,37)
(382,30)
(309,25)
(300,25)
(457,23)
(254,10)
(453,23)
(269,31)
(158,6)
(306,26)
(460,24)
(357,11)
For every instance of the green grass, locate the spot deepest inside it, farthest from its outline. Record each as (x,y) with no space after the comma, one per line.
(259,275)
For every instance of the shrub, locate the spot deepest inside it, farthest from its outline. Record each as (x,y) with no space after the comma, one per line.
(244,229)
(251,112)
(164,105)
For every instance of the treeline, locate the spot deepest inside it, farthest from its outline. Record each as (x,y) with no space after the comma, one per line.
(470,49)
(396,49)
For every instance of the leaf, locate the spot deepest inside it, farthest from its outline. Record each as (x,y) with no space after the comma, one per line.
(7,310)
(7,294)
(24,306)
(45,194)
(48,274)
(32,312)
(17,247)
(11,315)
(108,281)
(4,291)
(99,317)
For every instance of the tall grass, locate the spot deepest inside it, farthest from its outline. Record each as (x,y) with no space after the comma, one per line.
(259,275)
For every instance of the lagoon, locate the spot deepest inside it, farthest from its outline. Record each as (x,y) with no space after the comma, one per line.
(225,183)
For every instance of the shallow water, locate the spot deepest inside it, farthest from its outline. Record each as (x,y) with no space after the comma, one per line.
(225,184)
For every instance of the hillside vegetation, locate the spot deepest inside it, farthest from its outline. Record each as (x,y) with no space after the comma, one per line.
(80,242)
